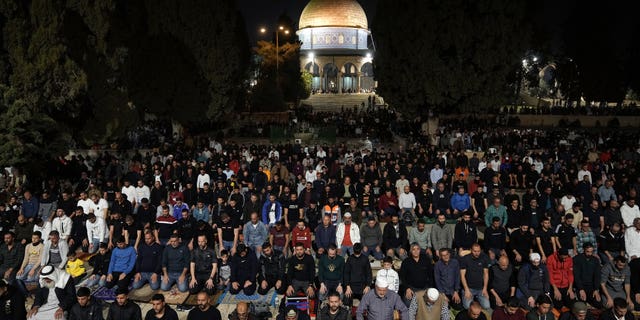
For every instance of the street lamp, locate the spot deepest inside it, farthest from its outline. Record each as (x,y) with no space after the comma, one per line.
(278,30)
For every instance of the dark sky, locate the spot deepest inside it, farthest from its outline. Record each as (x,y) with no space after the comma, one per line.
(259,13)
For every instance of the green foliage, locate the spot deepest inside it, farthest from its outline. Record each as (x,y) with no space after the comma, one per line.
(288,74)
(307,81)
(25,131)
(457,57)
(91,69)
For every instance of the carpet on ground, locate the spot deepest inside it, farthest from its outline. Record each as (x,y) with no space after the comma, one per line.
(143,294)
(105,294)
(269,298)
(174,296)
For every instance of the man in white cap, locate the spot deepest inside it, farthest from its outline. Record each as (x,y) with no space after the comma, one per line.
(55,295)
(381,303)
(533,280)
(429,305)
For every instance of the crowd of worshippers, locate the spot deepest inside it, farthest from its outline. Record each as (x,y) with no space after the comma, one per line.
(252,219)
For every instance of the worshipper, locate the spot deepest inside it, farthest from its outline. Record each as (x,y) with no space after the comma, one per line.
(578,312)
(123,308)
(542,310)
(160,310)
(474,312)
(204,311)
(55,295)
(429,305)
(87,307)
(12,301)
(333,309)
(380,303)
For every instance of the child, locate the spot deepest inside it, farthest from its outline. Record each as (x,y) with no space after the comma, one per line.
(389,274)
(224,271)
(75,267)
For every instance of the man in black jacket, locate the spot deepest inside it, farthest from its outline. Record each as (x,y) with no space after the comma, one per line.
(53,281)
(123,309)
(244,268)
(86,308)
(100,263)
(333,309)
(395,238)
(586,274)
(12,302)
(357,275)
(416,273)
(272,271)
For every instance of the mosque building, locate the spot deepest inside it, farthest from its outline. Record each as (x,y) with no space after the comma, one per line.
(335,48)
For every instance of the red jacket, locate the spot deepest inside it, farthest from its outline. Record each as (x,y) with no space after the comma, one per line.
(560,272)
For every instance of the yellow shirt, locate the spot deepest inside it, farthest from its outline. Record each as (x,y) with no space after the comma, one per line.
(75,268)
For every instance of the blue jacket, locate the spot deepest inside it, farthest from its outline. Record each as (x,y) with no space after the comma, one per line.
(201,214)
(266,207)
(122,260)
(461,202)
(30,208)
(255,236)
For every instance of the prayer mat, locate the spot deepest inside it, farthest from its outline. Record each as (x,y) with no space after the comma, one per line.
(143,294)
(269,298)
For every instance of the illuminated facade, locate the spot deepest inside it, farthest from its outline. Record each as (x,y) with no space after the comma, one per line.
(335,37)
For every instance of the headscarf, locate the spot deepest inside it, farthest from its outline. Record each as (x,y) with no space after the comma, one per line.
(59,277)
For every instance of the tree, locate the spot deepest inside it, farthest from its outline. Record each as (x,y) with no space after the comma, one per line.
(286,70)
(91,69)
(458,56)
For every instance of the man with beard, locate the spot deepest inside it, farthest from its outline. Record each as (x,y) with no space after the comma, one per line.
(560,266)
(30,268)
(203,267)
(301,271)
(54,296)
(204,311)
(330,272)
(333,309)
(441,235)
(123,308)
(55,251)
(11,256)
(123,259)
(23,230)
(160,309)
(86,308)
(272,271)
(12,302)
(533,280)
(395,238)
(586,274)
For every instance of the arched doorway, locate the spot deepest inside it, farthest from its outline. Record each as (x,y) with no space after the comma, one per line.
(366,81)
(330,78)
(314,69)
(349,77)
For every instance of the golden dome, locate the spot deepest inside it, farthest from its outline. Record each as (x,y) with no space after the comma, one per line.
(333,13)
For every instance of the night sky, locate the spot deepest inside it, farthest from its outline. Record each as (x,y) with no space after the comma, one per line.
(265,13)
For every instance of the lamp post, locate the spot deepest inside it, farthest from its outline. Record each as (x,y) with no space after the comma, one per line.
(278,30)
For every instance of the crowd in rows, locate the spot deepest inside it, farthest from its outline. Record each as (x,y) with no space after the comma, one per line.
(559,228)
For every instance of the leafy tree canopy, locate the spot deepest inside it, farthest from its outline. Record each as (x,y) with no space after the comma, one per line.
(457,57)
(91,69)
